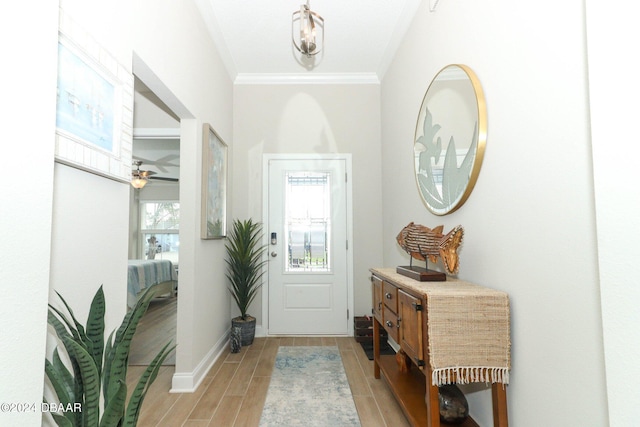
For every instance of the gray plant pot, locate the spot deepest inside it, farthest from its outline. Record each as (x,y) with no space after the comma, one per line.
(247,327)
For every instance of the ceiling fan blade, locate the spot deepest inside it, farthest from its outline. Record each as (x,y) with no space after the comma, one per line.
(163,162)
(163,178)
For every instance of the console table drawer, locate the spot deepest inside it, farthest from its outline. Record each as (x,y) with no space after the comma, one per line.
(390,323)
(390,296)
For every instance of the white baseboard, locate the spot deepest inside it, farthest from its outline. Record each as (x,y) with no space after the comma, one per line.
(188,382)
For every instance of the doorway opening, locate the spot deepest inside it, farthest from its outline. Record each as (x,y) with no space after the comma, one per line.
(154,222)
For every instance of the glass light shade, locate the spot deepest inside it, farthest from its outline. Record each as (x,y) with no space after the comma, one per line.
(138,182)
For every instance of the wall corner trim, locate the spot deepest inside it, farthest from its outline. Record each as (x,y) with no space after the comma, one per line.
(188,382)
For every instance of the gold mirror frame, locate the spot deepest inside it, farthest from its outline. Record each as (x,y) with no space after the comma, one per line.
(445,176)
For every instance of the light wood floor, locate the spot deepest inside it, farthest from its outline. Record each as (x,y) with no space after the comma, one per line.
(234,391)
(156,328)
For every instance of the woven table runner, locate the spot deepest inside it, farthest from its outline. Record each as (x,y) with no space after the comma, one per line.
(468,328)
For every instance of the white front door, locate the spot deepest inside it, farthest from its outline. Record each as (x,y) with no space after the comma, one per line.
(308,286)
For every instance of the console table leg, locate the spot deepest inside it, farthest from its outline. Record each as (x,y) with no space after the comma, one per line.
(499,398)
(376,349)
(432,400)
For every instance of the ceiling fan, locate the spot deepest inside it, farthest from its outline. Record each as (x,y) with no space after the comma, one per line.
(140,178)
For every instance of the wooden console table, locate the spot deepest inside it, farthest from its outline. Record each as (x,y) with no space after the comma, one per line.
(448,332)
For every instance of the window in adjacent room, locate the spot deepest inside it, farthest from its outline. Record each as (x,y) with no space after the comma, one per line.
(160,226)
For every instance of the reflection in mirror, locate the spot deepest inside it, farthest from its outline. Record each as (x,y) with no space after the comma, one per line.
(450,139)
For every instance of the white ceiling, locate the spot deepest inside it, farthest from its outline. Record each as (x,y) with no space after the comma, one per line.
(254,40)
(254,37)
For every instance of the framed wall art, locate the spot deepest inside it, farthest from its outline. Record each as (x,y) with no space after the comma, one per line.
(214,184)
(94,107)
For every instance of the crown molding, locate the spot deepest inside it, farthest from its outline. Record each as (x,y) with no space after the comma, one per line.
(286,79)
(211,22)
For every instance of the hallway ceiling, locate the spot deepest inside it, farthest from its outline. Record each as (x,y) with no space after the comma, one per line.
(254,37)
(254,40)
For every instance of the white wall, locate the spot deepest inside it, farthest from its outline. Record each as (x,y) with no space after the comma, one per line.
(172,46)
(90,213)
(89,226)
(612,33)
(313,119)
(26,190)
(530,222)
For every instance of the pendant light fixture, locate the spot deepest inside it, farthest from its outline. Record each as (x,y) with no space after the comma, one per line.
(309,26)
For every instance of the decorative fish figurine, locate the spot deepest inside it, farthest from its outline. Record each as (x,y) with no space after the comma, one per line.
(423,242)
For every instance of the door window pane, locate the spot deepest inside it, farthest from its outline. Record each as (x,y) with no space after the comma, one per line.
(307,221)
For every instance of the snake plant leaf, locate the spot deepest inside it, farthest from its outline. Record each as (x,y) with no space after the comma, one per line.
(78,326)
(90,382)
(62,421)
(64,335)
(141,305)
(95,328)
(145,381)
(114,412)
(65,323)
(118,357)
(90,356)
(106,369)
(65,374)
(60,387)
(61,379)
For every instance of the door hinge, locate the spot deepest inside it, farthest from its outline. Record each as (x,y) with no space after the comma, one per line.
(345,177)
(347,244)
(416,307)
(347,314)
(420,362)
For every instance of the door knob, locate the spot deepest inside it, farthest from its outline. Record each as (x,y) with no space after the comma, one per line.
(274,254)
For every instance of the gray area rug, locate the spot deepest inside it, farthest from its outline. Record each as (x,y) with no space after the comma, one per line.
(309,387)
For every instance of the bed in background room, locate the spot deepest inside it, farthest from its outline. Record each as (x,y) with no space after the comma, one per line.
(142,274)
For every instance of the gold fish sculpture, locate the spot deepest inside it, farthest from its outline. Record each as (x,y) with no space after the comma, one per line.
(423,242)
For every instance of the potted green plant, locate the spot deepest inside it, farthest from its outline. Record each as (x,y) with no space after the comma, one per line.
(245,270)
(99,368)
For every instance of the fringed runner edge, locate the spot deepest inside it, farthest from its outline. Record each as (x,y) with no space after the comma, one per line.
(465,375)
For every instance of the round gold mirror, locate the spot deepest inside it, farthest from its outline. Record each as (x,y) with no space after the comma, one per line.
(450,139)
